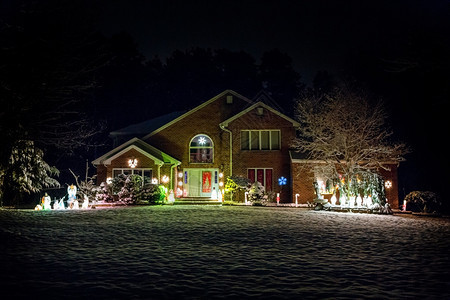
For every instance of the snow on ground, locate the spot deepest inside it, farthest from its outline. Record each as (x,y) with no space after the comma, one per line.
(192,252)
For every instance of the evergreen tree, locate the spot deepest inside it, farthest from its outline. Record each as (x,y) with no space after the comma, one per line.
(25,172)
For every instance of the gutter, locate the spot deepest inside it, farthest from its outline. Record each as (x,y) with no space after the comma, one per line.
(231,147)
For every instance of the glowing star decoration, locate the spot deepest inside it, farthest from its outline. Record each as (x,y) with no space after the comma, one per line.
(201,140)
(132,163)
(154,181)
(282,180)
(165,179)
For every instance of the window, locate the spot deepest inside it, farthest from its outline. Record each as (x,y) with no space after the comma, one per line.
(146,174)
(260,140)
(201,149)
(262,175)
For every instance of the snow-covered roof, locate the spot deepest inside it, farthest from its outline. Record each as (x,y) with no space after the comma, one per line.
(158,156)
(143,128)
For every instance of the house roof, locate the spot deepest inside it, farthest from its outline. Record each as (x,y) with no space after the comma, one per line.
(259,104)
(143,128)
(264,97)
(153,153)
(196,109)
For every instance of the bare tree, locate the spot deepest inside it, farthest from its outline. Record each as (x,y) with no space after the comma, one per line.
(348,135)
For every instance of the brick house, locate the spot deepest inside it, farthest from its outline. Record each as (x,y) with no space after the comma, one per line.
(193,152)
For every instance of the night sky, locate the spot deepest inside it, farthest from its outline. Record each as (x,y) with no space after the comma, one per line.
(318,35)
(398,50)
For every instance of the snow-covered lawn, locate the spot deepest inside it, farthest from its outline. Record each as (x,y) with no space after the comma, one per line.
(206,252)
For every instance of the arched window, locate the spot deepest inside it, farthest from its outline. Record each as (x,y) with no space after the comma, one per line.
(201,149)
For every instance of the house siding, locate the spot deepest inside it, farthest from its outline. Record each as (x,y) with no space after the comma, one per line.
(278,160)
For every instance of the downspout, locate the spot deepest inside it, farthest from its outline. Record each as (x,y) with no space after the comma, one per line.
(231,147)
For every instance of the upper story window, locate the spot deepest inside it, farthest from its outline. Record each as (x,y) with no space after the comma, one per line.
(260,140)
(201,149)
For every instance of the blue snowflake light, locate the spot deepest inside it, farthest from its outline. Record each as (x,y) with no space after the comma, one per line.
(282,181)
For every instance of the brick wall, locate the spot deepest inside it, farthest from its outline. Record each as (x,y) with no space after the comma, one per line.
(303,179)
(278,160)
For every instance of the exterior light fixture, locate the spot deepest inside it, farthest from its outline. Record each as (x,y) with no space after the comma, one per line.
(132,162)
(388,184)
(109,180)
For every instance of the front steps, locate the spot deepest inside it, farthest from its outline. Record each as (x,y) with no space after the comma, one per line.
(196,201)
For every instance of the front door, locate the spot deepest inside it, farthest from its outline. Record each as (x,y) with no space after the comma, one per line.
(200,182)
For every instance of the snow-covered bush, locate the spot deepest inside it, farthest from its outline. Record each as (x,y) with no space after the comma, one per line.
(419,201)
(104,193)
(130,189)
(151,193)
(256,194)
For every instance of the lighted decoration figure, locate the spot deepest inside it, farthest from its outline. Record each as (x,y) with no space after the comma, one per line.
(76,205)
(47,202)
(219,196)
(358,201)
(214,194)
(72,192)
(201,140)
(154,181)
(85,204)
(56,205)
(333,200)
(342,200)
(171,197)
(61,204)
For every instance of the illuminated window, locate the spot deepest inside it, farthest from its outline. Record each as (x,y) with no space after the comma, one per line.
(262,175)
(260,139)
(201,149)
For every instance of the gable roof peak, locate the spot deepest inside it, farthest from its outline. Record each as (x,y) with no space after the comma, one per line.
(265,97)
